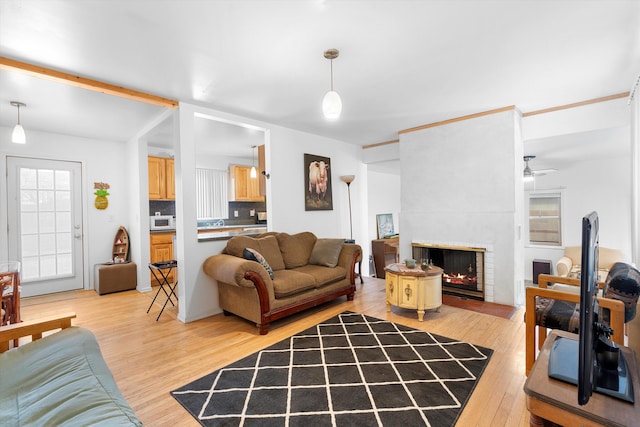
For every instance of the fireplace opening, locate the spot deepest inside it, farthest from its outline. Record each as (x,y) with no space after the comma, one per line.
(463,268)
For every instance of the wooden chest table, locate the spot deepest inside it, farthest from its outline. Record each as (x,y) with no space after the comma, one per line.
(413,288)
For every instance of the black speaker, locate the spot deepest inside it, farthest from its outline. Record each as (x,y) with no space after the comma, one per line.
(540,266)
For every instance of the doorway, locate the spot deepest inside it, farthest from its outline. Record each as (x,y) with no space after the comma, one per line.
(45,224)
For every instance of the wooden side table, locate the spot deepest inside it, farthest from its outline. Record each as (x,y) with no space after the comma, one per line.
(413,288)
(552,400)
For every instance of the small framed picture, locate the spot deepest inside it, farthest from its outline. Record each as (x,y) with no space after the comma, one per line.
(385,225)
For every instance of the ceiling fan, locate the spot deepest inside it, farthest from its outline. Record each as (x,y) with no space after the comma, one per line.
(529,174)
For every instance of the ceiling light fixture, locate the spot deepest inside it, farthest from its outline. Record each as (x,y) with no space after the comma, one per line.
(332,104)
(18,136)
(527,174)
(253,173)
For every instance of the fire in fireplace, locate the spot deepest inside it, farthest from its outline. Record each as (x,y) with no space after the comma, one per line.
(463,267)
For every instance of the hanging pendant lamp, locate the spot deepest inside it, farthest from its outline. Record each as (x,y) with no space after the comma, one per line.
(253,173)
(18,136)
(332,104)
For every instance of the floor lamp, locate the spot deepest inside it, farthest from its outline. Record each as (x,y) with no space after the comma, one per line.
(348,179)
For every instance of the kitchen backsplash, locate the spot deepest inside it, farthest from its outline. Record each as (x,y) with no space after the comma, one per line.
(244,210)
(165,207)
(168,207)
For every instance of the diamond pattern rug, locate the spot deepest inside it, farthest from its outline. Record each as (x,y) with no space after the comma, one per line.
(350,370)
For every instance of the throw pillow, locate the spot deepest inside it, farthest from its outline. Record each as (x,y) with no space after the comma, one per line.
(253,255)
(267,246)
(326,252)
(296,249)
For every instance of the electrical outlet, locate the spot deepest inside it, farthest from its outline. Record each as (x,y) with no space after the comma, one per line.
(252,212)
(235,214)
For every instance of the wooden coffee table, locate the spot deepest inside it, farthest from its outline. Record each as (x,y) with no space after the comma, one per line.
(413,288)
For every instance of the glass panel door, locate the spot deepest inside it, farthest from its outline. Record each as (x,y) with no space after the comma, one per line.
(45,231)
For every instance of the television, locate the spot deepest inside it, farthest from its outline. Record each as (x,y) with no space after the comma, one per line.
(601,365)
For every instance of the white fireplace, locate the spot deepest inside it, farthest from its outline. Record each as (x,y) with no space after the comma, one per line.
(462,186)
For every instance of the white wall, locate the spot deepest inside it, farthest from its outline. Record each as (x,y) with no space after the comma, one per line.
(461,182)
(102,161)
(602,185)
(600,182)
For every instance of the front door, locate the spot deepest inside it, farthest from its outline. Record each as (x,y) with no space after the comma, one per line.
(45,224)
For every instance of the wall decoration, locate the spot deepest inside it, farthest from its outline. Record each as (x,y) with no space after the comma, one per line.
(101,193)
(317,183)
(385,225)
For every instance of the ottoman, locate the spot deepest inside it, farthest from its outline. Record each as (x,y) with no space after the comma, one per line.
(118,277)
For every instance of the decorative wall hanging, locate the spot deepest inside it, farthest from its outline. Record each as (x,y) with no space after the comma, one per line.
(317,183)
(101,193)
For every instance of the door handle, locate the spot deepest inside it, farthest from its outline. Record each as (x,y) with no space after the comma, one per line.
(78,236)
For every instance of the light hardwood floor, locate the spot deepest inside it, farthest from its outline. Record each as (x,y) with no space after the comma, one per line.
(149,359)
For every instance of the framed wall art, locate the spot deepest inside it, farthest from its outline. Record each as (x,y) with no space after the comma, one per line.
(317,183)
(385,225)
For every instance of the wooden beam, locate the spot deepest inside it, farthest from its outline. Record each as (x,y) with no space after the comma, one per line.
(85,83)
(577,104)
(379,144)
(459,119)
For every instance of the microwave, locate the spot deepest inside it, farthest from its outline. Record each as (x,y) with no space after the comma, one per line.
(162,222)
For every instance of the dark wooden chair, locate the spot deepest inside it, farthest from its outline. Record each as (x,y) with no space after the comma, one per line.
(10,287)
(553,308)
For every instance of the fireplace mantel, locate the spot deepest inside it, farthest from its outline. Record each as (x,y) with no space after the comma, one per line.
(453,247)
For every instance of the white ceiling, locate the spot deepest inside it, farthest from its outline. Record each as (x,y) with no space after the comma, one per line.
(402,63)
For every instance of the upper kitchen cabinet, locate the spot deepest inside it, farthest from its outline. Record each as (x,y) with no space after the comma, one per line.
(161,179)
(243,187)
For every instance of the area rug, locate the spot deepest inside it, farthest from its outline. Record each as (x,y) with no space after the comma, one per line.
(350,370)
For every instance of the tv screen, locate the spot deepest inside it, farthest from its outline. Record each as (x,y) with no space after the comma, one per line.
(588,307)
(601,366)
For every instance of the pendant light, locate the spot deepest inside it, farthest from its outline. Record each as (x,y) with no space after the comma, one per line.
(253,173)
(332,104)
(18,136)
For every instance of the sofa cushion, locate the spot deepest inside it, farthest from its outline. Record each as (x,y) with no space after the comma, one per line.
(323,275)
(266,246)
(291,282)
(296,249)
(58,380)
(253,255)
(326,252)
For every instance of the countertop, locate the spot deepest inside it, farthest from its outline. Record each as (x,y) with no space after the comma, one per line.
(222,232)
(228,231)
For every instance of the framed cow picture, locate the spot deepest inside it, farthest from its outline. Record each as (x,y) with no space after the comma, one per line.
(317,183)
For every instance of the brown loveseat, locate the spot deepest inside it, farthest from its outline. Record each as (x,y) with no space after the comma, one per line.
(306,271)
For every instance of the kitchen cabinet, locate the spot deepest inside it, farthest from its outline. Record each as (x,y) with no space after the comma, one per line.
(162,250)
(161,178)
(243,187)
